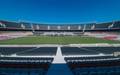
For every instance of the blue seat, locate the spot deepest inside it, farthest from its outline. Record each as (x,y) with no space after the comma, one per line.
(84,73)
(93,73)
(117,73)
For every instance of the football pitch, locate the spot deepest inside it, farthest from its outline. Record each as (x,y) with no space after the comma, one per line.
(56,40)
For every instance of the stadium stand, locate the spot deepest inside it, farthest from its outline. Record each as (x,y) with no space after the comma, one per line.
(77,51)
(40,29)
(24,66)
(13,50)
(89,50)
(11,25)
(103,65)
(90,26)
(2,25)
(35,26)
(25,51)
(116,25)
(43,27)
(30,60)
(5,35)
(37,60)
(26,26)
(64,27)
(39,51)
(105,50)
(74,27)
(103,25)
(53,27)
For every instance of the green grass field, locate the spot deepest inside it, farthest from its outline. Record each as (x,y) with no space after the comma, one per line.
(56,40)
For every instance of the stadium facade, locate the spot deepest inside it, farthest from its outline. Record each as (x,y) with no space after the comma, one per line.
(83,59)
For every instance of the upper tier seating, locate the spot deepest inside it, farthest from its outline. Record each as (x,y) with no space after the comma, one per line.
(103,25)
(63,27)
(116,24)
(90,26)
(26,25)
(11,25)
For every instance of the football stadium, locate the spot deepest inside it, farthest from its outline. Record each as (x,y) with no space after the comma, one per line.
(64,49)
(59,37)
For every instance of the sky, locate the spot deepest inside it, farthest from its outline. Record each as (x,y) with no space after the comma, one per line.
(60,11)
